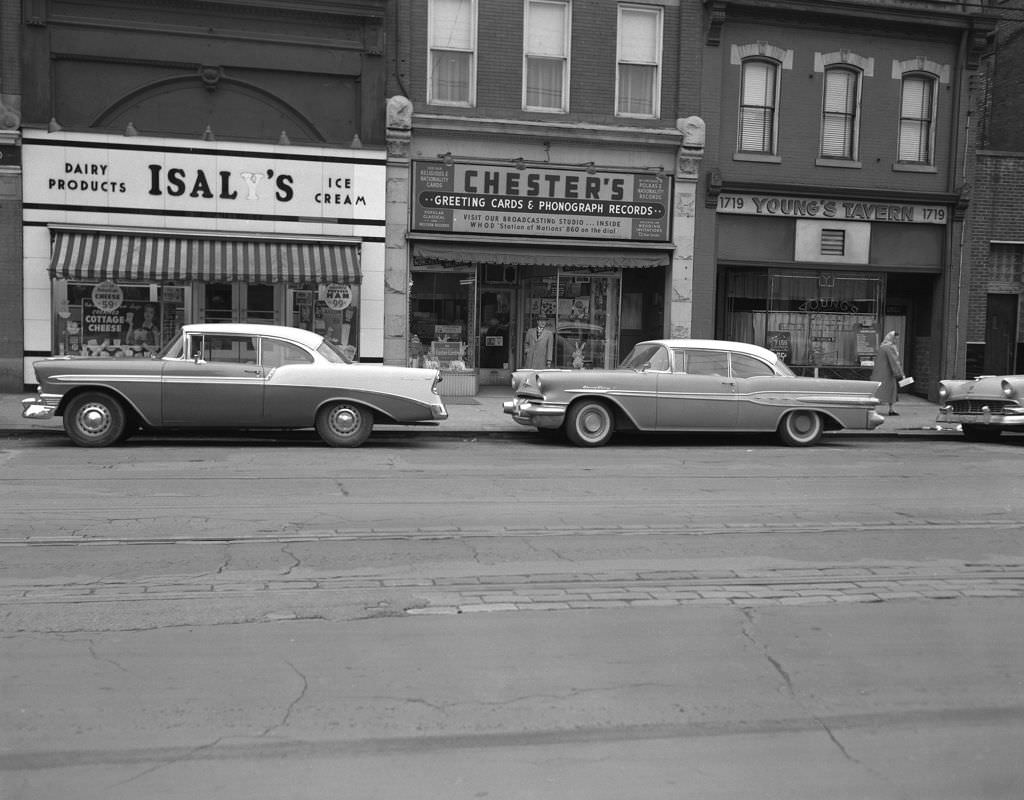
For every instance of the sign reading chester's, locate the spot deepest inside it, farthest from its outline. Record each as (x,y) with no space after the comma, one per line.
(543,202)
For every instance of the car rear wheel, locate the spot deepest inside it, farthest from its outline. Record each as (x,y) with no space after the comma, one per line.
(95,419)
(590,423)
(344,424)
(979,433)
(801,428)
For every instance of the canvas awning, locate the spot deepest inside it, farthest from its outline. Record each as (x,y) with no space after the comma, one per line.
(97,256)
(507,255)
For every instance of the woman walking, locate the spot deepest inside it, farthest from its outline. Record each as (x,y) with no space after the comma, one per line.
(889,371)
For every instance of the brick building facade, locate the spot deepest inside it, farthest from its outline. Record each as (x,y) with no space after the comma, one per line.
(11,333)
(836,178)
(572,132)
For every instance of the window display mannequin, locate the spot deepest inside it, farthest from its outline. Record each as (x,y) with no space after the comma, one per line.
(540,345)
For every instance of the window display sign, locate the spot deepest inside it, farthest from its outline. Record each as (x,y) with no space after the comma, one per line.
(488,199)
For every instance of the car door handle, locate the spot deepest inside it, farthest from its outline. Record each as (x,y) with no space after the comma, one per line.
(252,372)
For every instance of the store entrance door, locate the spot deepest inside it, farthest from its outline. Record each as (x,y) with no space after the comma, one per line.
(238,301)
(495,326)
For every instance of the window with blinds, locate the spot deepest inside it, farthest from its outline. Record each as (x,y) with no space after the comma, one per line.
(757,122)
(839,118)
(546,56)
(833,242)
(452,67)
(917,106)
(638,89)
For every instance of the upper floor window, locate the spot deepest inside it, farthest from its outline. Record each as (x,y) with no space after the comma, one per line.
(840,112)
(638,92)
(758,104)
(917,115)
(452,66)
(546,56)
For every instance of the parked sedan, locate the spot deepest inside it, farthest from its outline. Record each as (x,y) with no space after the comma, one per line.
(983,407)
(691,385)
(233,376)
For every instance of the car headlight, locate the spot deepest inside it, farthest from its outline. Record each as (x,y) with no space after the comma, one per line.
(943,393)
(1009,390)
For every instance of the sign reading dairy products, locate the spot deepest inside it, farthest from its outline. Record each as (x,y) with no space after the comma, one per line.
(488,199)
(215,180)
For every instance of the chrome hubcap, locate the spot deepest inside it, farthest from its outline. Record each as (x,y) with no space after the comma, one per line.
(93,420)
(344,420)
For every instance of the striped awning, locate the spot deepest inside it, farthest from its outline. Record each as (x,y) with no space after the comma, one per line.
(92,256)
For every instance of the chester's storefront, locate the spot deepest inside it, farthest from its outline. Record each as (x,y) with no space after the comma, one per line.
(820,279)
(500,251)
(128,238)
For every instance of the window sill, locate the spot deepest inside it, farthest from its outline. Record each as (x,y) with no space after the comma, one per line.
(762,158)
(837,162)
(926,168)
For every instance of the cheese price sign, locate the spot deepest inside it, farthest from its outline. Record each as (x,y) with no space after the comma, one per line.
(493,200)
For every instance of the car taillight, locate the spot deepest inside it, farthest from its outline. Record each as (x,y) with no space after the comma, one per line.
(1009,390)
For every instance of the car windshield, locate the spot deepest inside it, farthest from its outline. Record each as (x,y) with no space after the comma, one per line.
(173,347)
(333,353)
(640,355)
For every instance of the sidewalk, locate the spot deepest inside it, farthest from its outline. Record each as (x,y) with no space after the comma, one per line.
(483,416)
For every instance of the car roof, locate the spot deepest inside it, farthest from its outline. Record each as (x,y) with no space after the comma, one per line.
(719,344)
(308,338)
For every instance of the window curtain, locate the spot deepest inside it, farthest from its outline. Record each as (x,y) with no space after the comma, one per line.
(636,89)
(546,51)
(639,56)
(450,76)
(453,43)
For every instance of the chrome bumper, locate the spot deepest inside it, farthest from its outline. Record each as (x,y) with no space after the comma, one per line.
(1012,417)
(874,420)
(41,407)
(527,411)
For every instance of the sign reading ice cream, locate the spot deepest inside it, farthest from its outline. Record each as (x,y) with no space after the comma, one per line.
(134,175)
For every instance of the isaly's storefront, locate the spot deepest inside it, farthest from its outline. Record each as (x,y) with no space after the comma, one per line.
(820,279)
(128,238)
(517,264)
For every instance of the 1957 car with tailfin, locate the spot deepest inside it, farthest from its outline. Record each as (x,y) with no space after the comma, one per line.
(983,407)
(241,376)
(692,385)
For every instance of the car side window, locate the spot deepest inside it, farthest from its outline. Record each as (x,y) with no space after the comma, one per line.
(707,362)
(277,353)
(223,349)
(744,366)
(658,362)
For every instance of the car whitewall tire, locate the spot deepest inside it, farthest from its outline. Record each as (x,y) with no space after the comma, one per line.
(590,423)
(801,428)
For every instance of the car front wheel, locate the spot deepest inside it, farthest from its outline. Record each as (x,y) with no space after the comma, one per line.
(801,428)
(590,423)
(95,419)
(344,424)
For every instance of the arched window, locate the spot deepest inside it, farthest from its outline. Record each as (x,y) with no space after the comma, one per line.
(840,112)
(758,106)
(917,116)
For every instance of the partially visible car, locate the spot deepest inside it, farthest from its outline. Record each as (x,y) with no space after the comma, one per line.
(691,385)
(983,407)
(240,376)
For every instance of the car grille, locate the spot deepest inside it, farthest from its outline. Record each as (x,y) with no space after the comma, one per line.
(977,406)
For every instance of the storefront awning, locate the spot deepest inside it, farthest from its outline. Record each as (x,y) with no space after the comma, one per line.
(539,257)
(93,256)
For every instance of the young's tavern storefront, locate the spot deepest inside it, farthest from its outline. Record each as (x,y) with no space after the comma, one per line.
(128,238)
(522,264)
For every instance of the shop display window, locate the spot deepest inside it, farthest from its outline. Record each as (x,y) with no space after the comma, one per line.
(115,320)
(442,307)
(582,311)
(330,309)
(810,319)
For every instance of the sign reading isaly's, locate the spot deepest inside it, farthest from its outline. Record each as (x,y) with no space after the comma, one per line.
(541,202)
(829,209)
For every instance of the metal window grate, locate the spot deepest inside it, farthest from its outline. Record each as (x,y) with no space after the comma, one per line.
(833,242)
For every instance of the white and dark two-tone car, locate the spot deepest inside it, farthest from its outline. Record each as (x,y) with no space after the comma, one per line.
(983,407)
(692,385)
(237,376)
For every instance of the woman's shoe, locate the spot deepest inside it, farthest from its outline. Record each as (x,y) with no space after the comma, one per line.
(894,413)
